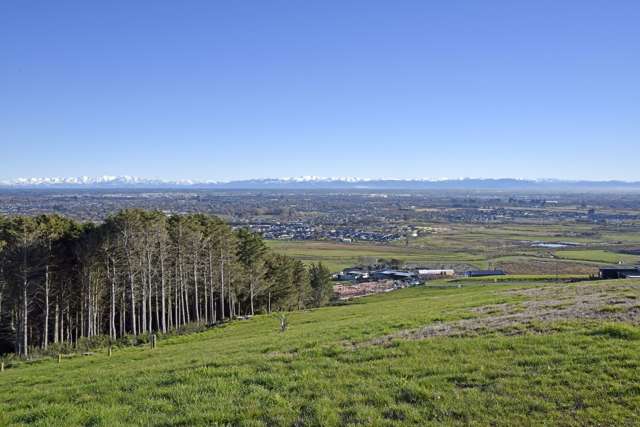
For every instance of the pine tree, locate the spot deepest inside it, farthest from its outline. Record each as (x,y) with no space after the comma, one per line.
(320,280)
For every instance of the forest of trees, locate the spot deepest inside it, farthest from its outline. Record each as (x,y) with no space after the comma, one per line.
(137,273)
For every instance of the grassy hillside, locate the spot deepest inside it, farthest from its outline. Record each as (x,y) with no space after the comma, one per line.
(484,353)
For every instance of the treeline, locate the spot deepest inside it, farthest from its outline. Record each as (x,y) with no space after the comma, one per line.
(137,273)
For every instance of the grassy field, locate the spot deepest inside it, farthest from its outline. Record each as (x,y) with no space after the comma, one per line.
(596,255)
(519,278)
(337,256)
(483,354)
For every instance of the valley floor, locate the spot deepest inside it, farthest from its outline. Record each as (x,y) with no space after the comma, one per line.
(482,354)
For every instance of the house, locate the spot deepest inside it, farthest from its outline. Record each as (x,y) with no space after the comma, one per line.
(621,272)
(483,273)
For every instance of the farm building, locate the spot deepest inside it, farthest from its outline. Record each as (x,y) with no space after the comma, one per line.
(621,272)
(352,274)
(432,273)
(393,275)
(484,273)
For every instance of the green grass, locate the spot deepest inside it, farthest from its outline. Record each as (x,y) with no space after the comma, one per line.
(522,278)
(337,256)
(619,331)
(325,371)
(598,255)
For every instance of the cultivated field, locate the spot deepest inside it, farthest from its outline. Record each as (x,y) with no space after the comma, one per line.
(469,352)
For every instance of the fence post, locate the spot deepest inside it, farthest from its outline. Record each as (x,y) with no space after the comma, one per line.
(59,358)
(110,351)
(1,366)
(153,341)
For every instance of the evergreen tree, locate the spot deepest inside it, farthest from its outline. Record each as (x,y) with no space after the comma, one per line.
(138,272)
(320,281)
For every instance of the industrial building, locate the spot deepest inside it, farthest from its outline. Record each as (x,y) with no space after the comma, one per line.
(620,272)
(484,273)
(436,273)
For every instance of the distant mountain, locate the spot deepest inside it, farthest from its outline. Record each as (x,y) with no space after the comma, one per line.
(86,181)
(314,182)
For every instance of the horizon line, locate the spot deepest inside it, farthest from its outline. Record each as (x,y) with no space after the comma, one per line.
(133,179)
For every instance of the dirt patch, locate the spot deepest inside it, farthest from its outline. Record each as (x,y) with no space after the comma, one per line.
(357,290)
(544,304)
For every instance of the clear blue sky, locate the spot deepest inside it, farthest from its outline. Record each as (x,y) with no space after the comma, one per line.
(237,89)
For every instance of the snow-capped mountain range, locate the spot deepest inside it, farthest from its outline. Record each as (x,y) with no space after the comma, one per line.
(316,182)
(105,180)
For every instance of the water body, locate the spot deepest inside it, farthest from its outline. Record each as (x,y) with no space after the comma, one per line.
(550,245)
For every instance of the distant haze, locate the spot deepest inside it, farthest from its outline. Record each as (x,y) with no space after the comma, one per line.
(311,183)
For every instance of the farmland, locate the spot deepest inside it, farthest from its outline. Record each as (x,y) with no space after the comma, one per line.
(340,255)
(519,249)
(598,256)
(514,353)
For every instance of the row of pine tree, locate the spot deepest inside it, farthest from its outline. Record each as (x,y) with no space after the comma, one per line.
(136,273)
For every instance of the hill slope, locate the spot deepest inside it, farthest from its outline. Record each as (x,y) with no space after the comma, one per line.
(503,354)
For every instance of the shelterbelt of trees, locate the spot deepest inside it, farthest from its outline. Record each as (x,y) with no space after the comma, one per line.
(137,273)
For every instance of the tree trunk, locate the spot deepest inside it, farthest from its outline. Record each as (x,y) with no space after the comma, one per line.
(251,294)
(195,287)
(150,308)
(145,278)
(169,307)
(231,313)
(186,301)
(212,309)
(206,300)
(56,323)
(25,317)
(157,304)
(112,314)
(123,318)
(221,286)
(133,304)
(162,295)
(68,324)
(183,304)
(45,334)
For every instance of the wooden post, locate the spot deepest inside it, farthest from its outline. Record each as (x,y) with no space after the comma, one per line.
(110,351)
(1,366)
(153,341)
(59,358)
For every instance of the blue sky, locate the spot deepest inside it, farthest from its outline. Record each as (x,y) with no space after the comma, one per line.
(238,89)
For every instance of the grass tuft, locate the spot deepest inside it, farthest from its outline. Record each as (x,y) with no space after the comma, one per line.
(618,331)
